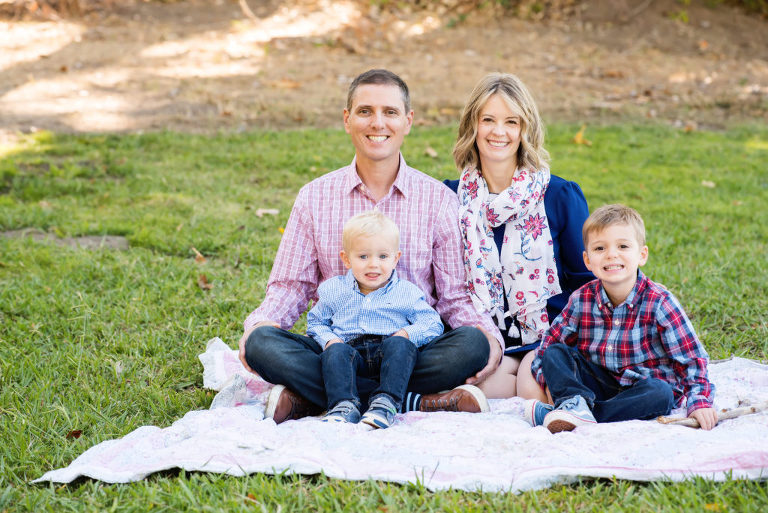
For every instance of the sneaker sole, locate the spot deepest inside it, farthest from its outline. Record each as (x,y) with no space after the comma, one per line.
(479,396)
(272,398)
(374,421)
(557,421)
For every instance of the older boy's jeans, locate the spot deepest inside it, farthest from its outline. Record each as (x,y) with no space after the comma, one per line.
(389,361)
(568,373)
(285,358)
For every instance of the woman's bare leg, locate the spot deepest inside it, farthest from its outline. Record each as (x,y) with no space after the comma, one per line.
(502,383)
(527,386)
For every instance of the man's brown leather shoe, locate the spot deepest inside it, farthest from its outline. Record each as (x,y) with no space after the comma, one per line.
(283,404)
(466,398)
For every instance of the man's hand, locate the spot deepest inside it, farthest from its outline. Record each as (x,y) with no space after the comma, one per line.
(494,358)
(707,417)
(333,341)
(401,333)
(244,338)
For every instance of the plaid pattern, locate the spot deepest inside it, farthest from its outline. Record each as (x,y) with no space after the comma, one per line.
(343,312)
(426,212)
(648,335)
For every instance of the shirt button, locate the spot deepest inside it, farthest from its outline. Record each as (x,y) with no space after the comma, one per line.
(616,322)
(367,299)
(609,348)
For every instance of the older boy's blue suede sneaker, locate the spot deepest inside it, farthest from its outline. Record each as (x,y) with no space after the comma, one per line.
(535,411)
(381,413)
(344,411)
(571,414)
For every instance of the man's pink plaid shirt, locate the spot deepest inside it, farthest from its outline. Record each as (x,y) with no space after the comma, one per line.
(426,212)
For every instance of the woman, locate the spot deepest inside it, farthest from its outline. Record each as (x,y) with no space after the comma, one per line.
(521,226)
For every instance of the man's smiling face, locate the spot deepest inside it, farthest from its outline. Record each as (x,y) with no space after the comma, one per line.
(377,122)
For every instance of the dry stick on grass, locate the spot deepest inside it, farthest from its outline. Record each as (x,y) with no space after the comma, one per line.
(723,415)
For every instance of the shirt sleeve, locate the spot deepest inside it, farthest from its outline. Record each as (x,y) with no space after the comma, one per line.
(563,330)
(453,301)
(319,318)
(425,323)
(295,272)
(571,210)
(689,358)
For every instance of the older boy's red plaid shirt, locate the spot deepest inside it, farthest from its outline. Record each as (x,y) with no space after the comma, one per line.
(425,210)
(648,335)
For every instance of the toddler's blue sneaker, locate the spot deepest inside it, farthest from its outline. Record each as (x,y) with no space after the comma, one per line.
(571,414)
(381,412)
(535,411)
(344,411)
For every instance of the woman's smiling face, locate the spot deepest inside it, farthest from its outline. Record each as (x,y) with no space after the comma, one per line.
(498,133)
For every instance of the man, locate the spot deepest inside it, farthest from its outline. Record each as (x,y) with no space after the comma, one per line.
(377,117)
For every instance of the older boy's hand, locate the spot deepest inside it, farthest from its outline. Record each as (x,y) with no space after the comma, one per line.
(244,339)
(707,417)
(494,358)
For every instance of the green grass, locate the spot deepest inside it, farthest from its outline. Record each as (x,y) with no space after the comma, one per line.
(106,341)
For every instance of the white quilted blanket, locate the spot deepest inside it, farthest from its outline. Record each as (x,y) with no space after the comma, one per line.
(496,451)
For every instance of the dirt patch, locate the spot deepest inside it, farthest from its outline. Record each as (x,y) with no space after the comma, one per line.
(91,242)
(203,66)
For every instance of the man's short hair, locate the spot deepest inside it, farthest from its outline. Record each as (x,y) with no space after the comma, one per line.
(379,77)
(610,215)
(369,224)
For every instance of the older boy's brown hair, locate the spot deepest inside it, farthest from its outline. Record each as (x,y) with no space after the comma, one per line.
(610,215)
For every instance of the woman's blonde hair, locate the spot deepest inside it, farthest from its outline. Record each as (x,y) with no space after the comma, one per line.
(531,153)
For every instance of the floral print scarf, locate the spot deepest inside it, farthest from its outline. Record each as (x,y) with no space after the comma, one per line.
(524,270)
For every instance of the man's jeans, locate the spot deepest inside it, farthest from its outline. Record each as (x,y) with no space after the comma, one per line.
(285,358)
(568,373)
(389,361)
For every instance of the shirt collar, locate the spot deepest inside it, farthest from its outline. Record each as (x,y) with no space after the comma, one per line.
(640,284)
(402,181)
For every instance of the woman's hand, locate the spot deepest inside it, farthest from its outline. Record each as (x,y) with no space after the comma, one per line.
(494,358)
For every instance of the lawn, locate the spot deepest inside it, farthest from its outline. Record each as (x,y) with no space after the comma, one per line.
(95,343)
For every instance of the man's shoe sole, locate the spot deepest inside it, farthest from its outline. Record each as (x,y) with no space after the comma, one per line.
(479,396)
(272,400)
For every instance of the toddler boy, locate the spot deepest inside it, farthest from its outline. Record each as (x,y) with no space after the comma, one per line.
(369,323)
(623,347)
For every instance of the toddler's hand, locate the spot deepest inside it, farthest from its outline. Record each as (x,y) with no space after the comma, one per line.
(333,341)
(401,333)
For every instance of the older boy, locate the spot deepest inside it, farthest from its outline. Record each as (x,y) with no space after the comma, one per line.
(369,323)
(623,347)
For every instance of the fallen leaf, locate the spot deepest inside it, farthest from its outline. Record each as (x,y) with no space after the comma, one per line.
(75,433)
(63,68)
(202,282)
(178,228)
(713,507)
(199,258)
(430,151)
(690,126)
(737,203)
(261,212)
(707,183)
(613,73)
(703,45)
(579,137)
